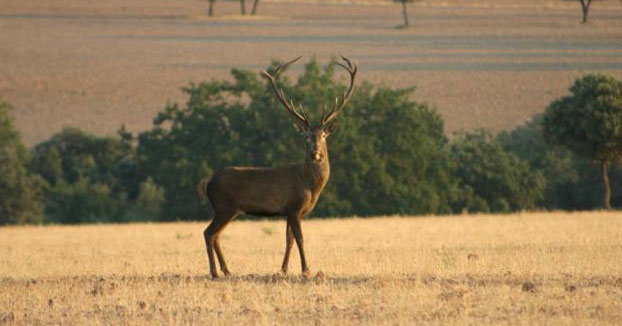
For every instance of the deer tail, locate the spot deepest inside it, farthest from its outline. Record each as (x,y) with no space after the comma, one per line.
(202,188)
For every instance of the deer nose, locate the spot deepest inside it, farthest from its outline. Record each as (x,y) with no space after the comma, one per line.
(317,155)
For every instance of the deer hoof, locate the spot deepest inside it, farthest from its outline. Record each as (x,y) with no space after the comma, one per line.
(306,274)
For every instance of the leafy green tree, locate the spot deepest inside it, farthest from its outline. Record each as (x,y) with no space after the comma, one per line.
(21,192)
(93,179)
(83,202)
(557,165)
(73,154)
(589,123)
(493,179)
(388,156)
(148,204)
(571,181)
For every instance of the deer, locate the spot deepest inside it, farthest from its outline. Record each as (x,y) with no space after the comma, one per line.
(291,191)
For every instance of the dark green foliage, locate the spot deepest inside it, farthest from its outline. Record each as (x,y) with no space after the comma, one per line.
(387,156)
(572,183)
(92,178)
(82,202)
(73,154)
(21,192)
(492,179)
(589,123)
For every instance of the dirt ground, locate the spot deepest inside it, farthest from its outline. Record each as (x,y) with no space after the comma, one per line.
(481,63)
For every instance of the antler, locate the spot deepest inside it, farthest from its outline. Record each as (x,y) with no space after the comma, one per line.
(341,103)
(301,116)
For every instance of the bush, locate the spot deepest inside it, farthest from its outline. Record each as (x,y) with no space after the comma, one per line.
(492,179)
(82,202)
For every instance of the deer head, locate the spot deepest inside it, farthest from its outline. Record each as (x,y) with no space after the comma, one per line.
(315,136)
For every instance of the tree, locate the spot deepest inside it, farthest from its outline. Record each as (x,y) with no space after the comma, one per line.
(93,179)
(255,5)
(21,192)
(589,123)
(210,7)
(585,8)
(491,178)
(405,10)
(243,7)
(389,155)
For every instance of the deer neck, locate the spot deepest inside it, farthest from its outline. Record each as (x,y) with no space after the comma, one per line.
(317,173)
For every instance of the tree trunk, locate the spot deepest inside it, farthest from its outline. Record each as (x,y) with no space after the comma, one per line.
(604,167)
(405,12)
(243,7)
(585,7)
(210,8)
(254,10)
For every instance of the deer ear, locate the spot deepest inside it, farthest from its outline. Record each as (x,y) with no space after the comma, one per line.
(302,130)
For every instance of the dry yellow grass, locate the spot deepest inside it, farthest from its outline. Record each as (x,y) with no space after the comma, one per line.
(530,269)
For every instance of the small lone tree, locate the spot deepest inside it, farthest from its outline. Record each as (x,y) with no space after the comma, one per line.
(254,10)
(405,10)
(243,7)
(210,8)
(585,7)
(589,123)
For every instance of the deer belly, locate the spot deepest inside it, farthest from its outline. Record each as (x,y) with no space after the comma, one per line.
(268,203)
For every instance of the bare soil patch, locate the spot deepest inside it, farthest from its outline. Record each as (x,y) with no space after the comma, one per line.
(481,63)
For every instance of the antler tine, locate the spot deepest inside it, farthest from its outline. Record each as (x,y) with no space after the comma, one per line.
(341,103)
(301,116)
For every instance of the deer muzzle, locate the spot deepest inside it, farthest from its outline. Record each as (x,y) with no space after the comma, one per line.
(317,156)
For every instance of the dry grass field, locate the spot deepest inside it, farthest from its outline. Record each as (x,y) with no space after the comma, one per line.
(521,269)
(482,63)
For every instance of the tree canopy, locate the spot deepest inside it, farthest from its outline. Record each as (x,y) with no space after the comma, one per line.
(21,192)
(388,155)
(589,122)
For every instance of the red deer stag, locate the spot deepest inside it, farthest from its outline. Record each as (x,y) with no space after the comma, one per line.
(291,191)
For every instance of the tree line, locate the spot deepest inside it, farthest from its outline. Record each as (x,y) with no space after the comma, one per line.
(390,156)
(585,8)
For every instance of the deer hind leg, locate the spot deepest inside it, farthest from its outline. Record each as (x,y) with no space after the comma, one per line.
(221,258)
(294,223)
(211,235)
(289,241)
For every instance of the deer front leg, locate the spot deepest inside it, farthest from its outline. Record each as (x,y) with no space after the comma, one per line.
(289,241)
(294,223)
